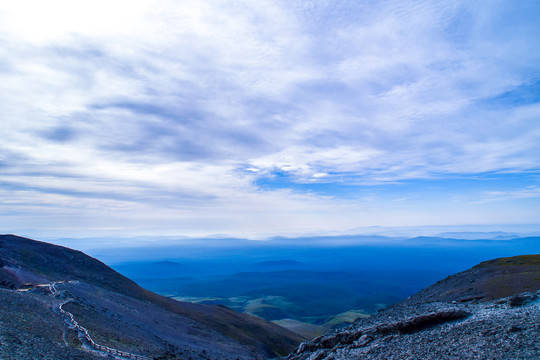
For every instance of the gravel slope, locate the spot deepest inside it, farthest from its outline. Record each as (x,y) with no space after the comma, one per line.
(501,329)
(465,316)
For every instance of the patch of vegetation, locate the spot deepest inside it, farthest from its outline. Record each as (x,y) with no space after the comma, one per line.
(267,312)
(527,260)
(345,318)
(306,330)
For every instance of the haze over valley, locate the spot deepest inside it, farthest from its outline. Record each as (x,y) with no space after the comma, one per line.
(311,284)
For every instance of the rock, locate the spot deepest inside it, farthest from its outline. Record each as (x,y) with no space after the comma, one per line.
(521,299)
(363,341)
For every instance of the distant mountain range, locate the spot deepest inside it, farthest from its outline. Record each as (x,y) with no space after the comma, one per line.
(40,283)
(476,235)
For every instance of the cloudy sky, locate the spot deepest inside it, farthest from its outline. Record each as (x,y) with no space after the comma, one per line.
(268,117)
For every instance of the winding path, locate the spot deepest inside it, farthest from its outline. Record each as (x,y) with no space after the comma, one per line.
(83,331)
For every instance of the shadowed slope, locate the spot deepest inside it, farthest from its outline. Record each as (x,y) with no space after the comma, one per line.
(24,260)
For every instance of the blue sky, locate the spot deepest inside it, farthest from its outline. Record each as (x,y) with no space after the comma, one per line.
(267,118)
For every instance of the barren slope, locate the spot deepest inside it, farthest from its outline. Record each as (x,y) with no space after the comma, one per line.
(117,308)
(481,313)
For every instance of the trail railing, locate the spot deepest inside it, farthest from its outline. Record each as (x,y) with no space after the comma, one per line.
(84,331)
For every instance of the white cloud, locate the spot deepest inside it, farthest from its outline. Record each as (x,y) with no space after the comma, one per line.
(147,105)
(501,195)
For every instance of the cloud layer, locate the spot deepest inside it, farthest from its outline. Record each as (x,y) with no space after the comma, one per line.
(268,117)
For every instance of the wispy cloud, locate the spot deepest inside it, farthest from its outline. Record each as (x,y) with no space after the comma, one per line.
(176,111)
(501,195)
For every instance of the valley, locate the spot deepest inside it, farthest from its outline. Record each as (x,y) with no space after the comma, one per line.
(309,285)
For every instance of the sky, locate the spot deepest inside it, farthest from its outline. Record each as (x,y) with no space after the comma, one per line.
(267,118)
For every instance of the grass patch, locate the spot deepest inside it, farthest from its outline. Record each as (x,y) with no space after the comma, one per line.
(523,260)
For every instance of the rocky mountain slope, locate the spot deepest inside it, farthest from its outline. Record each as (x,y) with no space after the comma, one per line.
(115,311)
(491,311)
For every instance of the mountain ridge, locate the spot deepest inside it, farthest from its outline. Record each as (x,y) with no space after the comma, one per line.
(25,261)
(456,318)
